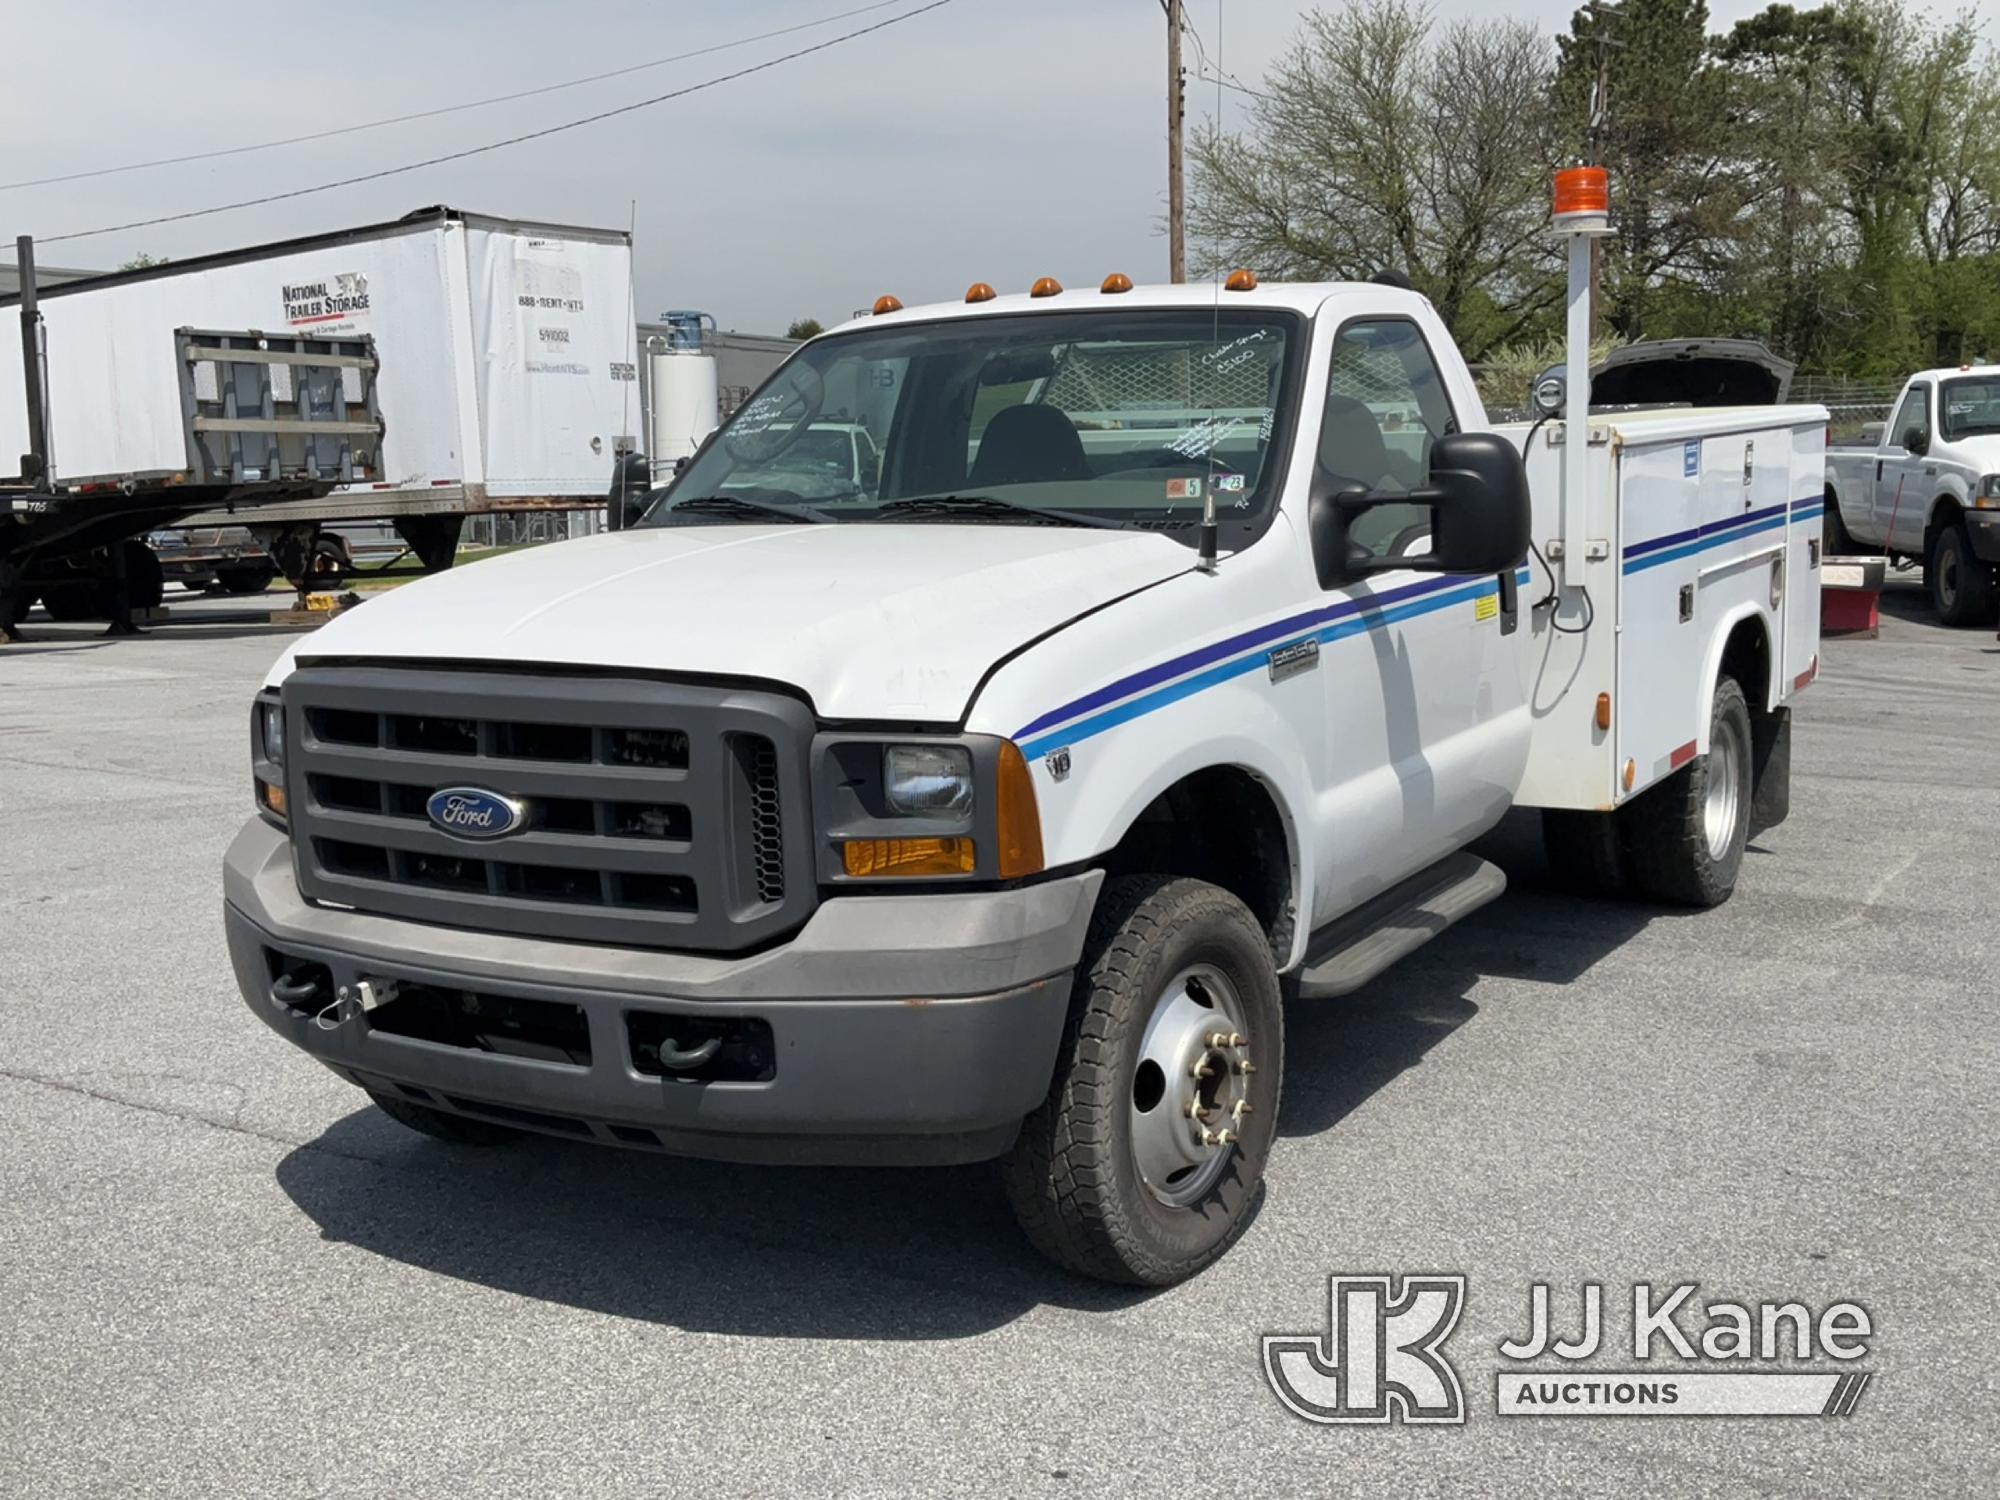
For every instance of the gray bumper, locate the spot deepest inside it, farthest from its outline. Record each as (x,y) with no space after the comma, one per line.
(904,1028)
(1982,529)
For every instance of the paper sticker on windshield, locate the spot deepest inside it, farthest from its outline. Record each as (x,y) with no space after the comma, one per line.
(1229,483)
(1183,489)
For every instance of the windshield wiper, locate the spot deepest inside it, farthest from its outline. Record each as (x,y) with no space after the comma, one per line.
(987,505)
(736,505)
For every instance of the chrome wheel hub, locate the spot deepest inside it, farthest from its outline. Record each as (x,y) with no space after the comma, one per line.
(1190,1090)
(1727,756)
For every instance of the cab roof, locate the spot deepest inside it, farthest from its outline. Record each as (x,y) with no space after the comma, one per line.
(1294,296)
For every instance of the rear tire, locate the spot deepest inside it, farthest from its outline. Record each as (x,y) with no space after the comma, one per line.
(1112,1176)
(1961,585)
(254,579)
(435,1123)
(1684,839)
(1837,540)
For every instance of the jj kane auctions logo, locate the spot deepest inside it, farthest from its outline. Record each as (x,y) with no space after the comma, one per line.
(1382,1357)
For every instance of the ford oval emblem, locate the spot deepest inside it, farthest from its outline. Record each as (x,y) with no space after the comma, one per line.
(472,813)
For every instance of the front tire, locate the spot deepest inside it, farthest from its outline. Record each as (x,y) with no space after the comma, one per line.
(1146,1159)
(1837,540)
(1685,837)
(1961,585)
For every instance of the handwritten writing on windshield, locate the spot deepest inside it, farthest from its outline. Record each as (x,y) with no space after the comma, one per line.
(1236,353)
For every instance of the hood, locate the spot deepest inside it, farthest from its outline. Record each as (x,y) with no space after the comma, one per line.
(1694,372)
(871,621)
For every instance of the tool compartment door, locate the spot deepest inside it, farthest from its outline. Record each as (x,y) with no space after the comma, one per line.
(1802,556)
(1667,492)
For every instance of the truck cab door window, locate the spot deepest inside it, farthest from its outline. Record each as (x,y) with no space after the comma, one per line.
(1385,406)
(1900,469)
(1913,417)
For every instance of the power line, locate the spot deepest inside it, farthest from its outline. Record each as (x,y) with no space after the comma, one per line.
(516,140)
(447,109)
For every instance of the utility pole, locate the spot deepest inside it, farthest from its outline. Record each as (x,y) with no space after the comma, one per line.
(1176,113)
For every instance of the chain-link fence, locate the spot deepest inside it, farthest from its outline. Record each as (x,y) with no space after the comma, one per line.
(1857,409)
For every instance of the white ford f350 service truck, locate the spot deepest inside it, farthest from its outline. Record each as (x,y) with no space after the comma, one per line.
(985,804)
(1930,489)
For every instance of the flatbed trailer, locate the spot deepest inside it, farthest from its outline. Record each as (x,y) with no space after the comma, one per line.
(257,419)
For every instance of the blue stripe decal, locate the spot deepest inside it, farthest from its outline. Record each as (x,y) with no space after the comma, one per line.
(1277,630)
(1655,559)
(1345,620)
(1664,549)
(1713,529)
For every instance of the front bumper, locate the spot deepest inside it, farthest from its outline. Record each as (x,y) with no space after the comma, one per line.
(903,1028)
(1982,529)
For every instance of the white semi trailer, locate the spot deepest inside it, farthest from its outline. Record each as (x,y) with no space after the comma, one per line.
(507,350)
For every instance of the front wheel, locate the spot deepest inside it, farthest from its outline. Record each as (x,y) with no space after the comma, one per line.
(1147,1157)
(1961,585)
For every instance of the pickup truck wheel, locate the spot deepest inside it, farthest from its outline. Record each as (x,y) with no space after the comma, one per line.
(1146,1159)
(1837,540)
(1684,838)
(457,1129)
(1961,585)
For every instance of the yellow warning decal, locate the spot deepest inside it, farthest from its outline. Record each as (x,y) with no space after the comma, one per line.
(1486,607)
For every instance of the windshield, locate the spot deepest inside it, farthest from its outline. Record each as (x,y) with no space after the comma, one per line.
(1098,418)
(1970,406)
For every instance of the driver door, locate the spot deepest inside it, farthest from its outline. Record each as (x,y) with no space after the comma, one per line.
(1899,473)
(1422,693)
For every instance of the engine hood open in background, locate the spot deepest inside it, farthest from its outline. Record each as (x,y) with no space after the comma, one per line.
(1692,372)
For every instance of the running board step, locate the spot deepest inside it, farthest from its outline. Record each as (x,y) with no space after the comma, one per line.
(1348,953)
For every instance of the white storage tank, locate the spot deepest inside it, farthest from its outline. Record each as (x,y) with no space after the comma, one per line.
(682,379)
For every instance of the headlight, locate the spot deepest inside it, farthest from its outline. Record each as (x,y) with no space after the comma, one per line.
(927,781)
(1988,497)
(267,759)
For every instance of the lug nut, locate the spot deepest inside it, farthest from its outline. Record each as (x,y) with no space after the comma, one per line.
(1241,1109)
(1246,1067)
(1225,1138)
(1201,1070)
(1196,1110)
(1236,1039)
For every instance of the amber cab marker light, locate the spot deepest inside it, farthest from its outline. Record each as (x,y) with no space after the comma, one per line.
(273,797)
(1045,286)
(1603,710)
(979,291)
(1631,773)
(887,303)
(1241,280)
(1019,817)
(1115,283)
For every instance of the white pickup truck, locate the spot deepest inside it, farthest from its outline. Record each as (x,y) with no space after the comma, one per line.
(987,806)
(1929,490)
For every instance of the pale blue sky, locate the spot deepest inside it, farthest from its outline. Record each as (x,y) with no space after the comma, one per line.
(994,140)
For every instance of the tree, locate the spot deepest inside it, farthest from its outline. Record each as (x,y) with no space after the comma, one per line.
(1670,144)
(1381,141)
(141,261)
(804,328)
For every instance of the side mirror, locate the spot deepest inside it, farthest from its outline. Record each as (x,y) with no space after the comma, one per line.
(1478,498)
(1916,440)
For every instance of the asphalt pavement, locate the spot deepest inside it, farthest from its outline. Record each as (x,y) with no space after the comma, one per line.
(222,1274)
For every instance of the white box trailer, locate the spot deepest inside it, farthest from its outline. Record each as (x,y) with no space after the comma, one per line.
(507,348)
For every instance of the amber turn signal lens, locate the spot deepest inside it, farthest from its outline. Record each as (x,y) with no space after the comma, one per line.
(886,303)
(1631,773)
(272,798)
(1603,710)
(1116,282)
(908,857)
(979,291)
(1241,280)
(1045,286)
(1020,818)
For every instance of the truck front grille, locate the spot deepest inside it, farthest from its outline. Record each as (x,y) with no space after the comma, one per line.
(655,814)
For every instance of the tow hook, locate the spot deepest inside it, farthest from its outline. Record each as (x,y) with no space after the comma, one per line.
(683,1059)
(353,1000)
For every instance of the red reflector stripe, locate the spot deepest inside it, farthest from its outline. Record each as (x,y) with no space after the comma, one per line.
(438,484)
(1681,756)
(1807,675)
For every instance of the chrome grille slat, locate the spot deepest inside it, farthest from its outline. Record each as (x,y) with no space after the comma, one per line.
(709,850)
